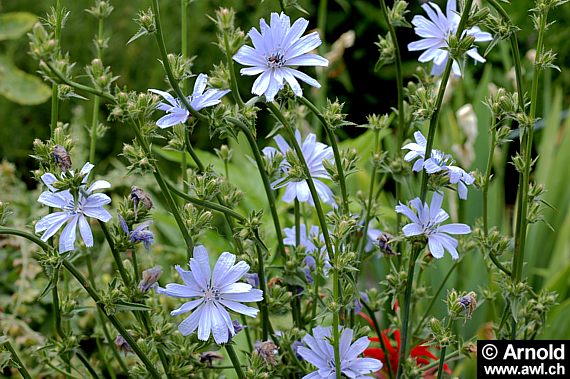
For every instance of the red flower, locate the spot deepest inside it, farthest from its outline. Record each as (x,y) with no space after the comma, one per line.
(420,353)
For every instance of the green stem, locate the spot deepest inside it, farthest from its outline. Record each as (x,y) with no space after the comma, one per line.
(235,360)
(166,193)
(337,159)
(166,65)
(522,224)
(439,100)
(184,52)
(55,305)
(266,182)
(16,358)
(296,301)
(247,333)
(380,339)
(436,363)
(96,99)
(116,254)
(322,72)
(87,365)
(488,178)
(416,249)
(102,322)
(263,287)
(435,297)
(78,86)
(116,323)
(442,354)
(322,220)
(233,79)
(54,86)
(205,204)
(135,265)
(370,197)
(400,89)
(93,294)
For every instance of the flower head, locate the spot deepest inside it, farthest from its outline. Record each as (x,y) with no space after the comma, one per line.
(314,153)
(435,34)
(275,49)
(176,112)
(214,292)
(320,353)
(141,233)
(73,211)
(437,162)
(427,222)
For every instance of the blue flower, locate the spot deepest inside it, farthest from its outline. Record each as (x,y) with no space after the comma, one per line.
(278,47)
(438,161)
(307,238)
(74,211)
(320,353)
(141,233)
(175,109)
(427,222)
(213,292)
(314,153)
(435,34)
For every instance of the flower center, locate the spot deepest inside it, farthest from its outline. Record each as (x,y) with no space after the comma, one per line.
(211,294)
(276,60)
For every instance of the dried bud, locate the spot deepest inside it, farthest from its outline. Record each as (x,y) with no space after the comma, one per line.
(138,196)
(208,357)
(61,157)
(469,304)
(268,351)
(237,326)
(150,278)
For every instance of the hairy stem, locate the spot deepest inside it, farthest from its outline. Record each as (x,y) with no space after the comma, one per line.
(235,360)
(21,368)
(266,181)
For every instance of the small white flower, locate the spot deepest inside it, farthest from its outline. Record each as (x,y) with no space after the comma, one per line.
(435,34)
(438,161)
(278,47)
(427,222)
(320,353)
(176,112)
(73,212)
(213,292)
(314,153)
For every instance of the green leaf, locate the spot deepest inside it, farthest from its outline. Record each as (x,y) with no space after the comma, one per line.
(128,306)
(15,24)
(20,87)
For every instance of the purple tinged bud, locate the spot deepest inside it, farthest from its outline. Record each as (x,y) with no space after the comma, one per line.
(122,344)
(252,279)
(150,278)
(237,326)
(308,275)
(123,224)
(142,234)
(296,345)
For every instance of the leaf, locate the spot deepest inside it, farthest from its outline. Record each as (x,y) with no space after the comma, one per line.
(15,24)
(128,306)
(20,87)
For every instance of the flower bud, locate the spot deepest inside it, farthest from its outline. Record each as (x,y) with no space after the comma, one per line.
(150,278)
